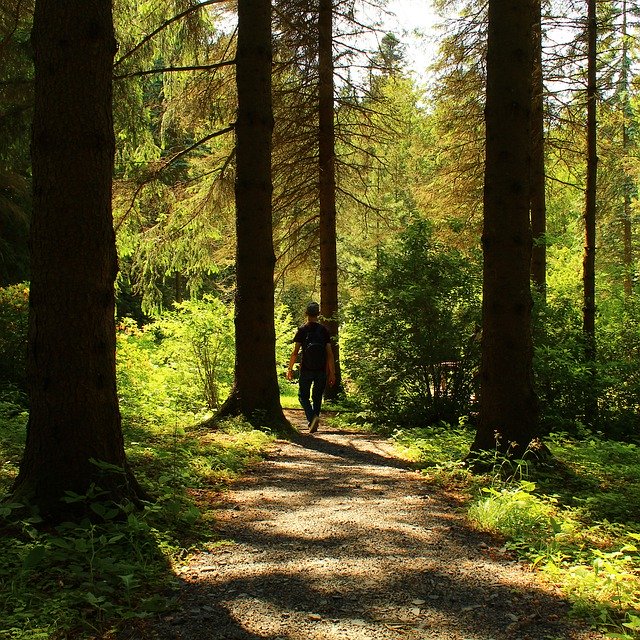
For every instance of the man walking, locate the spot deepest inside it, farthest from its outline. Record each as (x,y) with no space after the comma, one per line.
(316,367)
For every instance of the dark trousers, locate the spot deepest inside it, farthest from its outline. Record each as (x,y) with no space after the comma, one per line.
(311,384)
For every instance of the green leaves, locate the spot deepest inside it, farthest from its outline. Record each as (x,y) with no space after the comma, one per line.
(412,354)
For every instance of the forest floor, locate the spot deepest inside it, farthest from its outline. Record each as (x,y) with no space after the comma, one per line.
(334,538)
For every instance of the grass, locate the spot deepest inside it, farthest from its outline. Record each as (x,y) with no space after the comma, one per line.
(81,580)
(575,519)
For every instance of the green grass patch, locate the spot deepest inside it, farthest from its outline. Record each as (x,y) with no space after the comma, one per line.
(575,519)
(80,580)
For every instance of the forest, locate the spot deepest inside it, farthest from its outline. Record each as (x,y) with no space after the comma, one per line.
(179,180)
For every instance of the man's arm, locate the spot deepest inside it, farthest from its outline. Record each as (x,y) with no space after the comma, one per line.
(331,366)
(292,360)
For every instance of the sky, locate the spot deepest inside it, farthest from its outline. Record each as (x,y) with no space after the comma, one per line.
(414,23)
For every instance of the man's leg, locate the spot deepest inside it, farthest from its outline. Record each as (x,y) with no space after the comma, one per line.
(319,383)
(304,390)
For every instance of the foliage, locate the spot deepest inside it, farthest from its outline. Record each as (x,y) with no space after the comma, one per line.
(16,98)
(514,512)
(619,367)
(410,337)
(197,340)
(14,319)
(438,446)
(578,524)
(181,362)
(574,518)
(83,579)
(563,379)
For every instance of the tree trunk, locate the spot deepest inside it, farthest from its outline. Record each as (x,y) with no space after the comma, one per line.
(538,200)
(508,404)
(255,394)
(327,195)
(74,417)
(627,115)
(589,259)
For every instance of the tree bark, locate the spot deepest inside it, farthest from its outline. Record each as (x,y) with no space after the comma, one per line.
(74,417)
(589,258)
(327,193)
(538,199)
(508,405)
(627,115)
(255,394)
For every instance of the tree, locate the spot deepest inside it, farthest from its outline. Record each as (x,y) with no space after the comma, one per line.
(255,393)
(590,191)
(508,406)
(589,258)
(626,146)
(327,191)
(74,424)
(538,198)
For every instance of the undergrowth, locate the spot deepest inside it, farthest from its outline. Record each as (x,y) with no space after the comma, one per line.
(79,580)
(575,519)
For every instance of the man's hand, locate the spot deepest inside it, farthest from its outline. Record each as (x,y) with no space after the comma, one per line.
(289,375)
(331,379)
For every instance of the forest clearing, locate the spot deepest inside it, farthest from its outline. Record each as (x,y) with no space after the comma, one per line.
(216,213)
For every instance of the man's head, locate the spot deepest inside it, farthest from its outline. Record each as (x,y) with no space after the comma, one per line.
(313,310)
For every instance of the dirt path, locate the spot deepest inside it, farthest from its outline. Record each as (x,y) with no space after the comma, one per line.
(336,539)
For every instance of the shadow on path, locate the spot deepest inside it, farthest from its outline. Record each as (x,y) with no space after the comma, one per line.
(349,452)
(331,538)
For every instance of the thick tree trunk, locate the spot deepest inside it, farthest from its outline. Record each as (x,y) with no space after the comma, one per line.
(255,394)
(327,195)
(538,200)
(589,258)
(508,405)
(74,416)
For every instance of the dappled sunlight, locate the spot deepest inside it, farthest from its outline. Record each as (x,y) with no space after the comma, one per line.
(333,538)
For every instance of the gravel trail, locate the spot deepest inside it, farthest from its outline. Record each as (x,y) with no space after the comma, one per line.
(335,539)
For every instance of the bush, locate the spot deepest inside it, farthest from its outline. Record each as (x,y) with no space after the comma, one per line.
(410,340)
(14,321)
(182,362)
(562,378)
(564,382)
(516,513)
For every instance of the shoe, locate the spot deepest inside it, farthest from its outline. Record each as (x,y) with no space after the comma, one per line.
(313,425)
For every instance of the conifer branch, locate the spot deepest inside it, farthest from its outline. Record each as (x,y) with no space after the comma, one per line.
(195,67)
(163,26)
(153,175)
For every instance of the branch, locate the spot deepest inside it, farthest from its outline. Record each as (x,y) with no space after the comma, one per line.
(164,25)
(154,174)
(195,145)
(195,67)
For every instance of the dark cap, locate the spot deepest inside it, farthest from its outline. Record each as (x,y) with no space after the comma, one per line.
(313,309)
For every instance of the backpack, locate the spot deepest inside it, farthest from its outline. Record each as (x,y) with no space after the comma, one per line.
(314,350)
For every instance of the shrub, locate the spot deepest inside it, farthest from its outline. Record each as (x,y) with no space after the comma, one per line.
(196,340)
(516,513)
(14,320)
(564,382)
(410,338)
(183,361)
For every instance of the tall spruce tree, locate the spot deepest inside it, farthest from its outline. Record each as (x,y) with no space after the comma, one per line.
(327,191)
(508,405)
(255,393)
(589,258)
(538,197)
(74,423)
